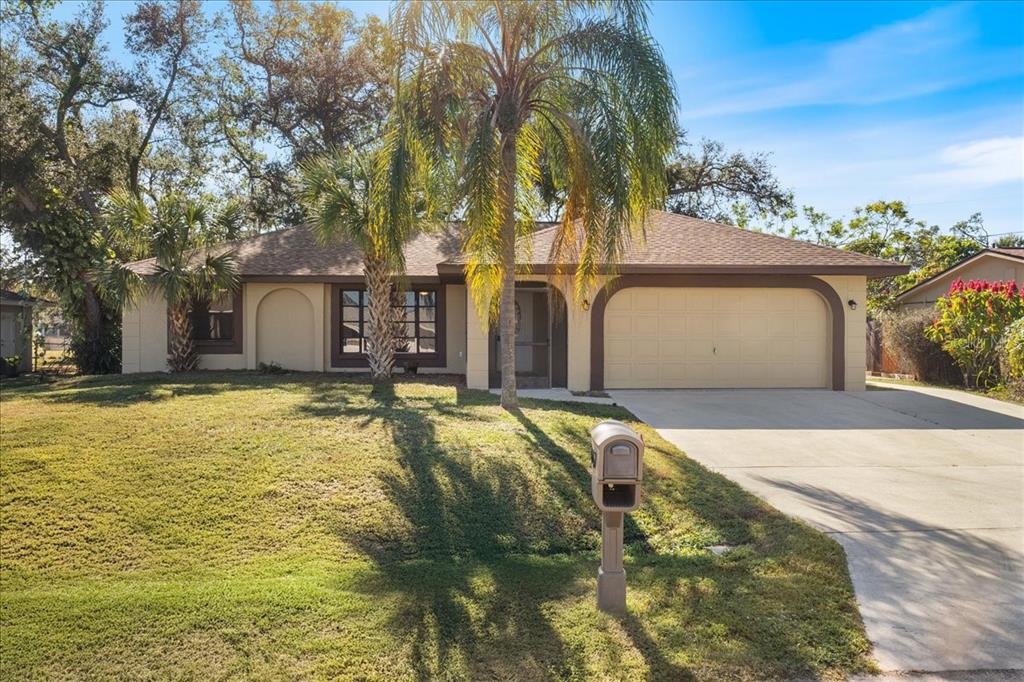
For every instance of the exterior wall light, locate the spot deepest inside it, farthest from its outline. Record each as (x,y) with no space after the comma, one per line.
(852,303)
(585,305)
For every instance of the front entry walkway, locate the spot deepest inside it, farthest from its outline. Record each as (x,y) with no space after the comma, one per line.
(922,487)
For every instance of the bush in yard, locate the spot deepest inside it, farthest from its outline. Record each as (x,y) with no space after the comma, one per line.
(903,335)
(1011,359)
(9,366)
(970,322)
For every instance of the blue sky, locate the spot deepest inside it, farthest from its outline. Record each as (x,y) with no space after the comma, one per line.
(861,101)
(855,101)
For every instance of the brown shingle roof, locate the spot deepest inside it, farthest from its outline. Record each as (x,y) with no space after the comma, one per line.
(1016,253)
(294,252)
(673,243)
(680,243)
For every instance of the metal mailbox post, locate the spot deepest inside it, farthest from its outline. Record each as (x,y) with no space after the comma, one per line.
(616,475)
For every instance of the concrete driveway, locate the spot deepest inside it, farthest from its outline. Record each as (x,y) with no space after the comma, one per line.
(923,487)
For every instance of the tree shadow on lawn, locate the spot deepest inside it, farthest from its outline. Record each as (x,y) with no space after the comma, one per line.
(127,389)
(485,575)
(123,390)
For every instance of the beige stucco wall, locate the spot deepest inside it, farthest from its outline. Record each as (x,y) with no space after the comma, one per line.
(476,345)
(144,346)
(454,330)
(988,266)
(846,286)
(853,287)
(144,335)
(285,330)
(291,310)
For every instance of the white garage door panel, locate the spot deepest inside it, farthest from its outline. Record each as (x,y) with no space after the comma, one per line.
(716,338)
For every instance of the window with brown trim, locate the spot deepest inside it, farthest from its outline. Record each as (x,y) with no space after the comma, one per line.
(415,315)
(353,321)
(217,324)
(416,312)
(214,320)
(419,314)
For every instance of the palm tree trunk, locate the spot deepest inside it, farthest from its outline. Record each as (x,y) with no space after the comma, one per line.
(183,350)
(507,302)
(380,323)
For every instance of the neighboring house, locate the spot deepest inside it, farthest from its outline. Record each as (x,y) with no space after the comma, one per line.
(52,329)
(16,327)
(697,305)
(991,265)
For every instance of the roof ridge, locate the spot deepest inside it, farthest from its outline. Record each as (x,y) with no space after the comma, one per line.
(784,238)
(238,240)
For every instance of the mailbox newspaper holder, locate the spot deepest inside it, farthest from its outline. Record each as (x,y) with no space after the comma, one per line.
(617,466)
(616,473)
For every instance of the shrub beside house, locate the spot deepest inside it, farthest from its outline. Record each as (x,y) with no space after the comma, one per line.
(970,336)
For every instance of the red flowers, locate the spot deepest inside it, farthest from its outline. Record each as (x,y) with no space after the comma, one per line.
(970,322)
(1009,288)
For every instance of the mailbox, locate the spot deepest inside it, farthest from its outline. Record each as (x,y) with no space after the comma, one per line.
(617,466)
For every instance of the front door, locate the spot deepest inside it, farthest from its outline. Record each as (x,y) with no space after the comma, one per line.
(540,340)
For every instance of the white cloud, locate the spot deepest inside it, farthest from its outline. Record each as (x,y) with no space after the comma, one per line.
(978,163)
(946,164)
(927,54)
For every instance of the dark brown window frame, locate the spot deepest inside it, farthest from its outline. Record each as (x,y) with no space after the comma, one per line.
(436,359)
(232,346)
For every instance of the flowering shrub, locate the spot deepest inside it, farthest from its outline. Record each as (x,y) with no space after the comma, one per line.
(1011,359)
(970,322)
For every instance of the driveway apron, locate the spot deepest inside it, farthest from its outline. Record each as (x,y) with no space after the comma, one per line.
(924,488)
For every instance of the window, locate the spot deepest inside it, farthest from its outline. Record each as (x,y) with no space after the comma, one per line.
(214,320)
(416,312)
(353,321)
(216,324)
(415,315)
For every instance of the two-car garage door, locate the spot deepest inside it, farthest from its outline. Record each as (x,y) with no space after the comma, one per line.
(716,338)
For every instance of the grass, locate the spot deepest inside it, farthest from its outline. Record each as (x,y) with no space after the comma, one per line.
(233,525)
(997,392)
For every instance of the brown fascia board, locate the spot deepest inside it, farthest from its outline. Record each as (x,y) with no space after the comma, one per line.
(328,279)
(872,271)
(452,273)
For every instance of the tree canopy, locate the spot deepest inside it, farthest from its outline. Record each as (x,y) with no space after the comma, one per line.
(519,111)
(505,93)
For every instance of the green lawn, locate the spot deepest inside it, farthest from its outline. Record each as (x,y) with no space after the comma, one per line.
(234,525)
(997,392)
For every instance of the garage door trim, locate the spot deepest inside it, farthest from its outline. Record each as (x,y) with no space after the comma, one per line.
(718,281)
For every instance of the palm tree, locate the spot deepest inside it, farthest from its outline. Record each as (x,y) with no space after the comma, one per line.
(178,233)
(574,91)
(372,200)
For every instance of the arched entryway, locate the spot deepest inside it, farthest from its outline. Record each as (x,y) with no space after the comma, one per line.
(285,330)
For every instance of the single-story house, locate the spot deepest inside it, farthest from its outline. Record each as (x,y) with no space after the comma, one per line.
(695,305)
(989,264)
(16,327)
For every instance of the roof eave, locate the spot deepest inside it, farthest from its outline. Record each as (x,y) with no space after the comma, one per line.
(880,270)
(954,267)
